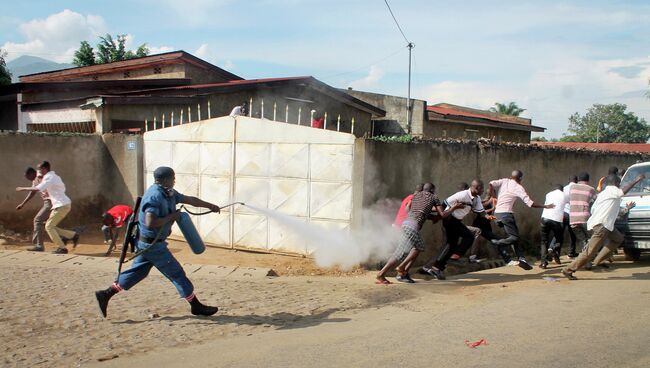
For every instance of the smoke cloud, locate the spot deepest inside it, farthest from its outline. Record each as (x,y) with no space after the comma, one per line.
(373,241)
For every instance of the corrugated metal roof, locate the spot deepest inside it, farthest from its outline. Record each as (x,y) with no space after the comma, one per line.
(447,109)
(173,56)
(613,147)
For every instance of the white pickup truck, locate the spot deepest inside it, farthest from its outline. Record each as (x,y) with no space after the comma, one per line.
(636,224)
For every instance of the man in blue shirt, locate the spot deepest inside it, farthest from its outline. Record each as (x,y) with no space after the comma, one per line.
(156,215)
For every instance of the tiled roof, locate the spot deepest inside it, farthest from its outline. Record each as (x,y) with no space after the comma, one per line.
(449,109)
(614,147)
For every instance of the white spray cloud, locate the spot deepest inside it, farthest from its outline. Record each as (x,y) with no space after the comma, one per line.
(340,247)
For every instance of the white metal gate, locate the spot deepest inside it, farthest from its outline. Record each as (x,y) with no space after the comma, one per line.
(299,171)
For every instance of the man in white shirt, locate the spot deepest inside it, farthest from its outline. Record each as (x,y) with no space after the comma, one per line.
(566,224)
(461,204)
(61,205)
(239,110)
(43,213)
(552,222)
(604,212)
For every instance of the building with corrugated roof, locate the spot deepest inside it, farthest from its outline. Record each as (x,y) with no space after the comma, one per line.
(172,88)
(444,120)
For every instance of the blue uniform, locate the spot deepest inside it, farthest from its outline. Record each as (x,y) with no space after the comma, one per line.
(158,202)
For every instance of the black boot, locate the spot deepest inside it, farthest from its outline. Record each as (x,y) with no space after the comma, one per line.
(103,296)
(199,309)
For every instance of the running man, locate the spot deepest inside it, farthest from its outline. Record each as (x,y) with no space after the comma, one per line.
(43,213)
(405,207)
(462,203)
(156,215)
(423,206)
(581,196)
(551,222)
(604,213)
(506,191)
(61,206)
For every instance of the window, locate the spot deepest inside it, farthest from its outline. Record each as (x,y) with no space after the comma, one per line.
(95,77)
(127,74)
(157,70)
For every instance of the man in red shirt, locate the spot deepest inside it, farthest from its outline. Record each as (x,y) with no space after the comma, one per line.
(317,121)
(405,207)
(112,221)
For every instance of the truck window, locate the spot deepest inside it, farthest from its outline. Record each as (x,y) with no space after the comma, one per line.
(641,187)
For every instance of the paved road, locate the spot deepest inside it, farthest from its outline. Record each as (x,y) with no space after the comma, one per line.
(601,320)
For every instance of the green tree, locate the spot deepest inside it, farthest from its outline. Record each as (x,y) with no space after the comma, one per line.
(85,56)
(5,74)
(607,124)
(510,108)
(109,49)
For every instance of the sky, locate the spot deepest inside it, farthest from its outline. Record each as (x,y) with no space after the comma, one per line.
(553,58)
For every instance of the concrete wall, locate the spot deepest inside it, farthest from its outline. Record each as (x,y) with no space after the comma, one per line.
(447,129)
(392,170)
(8,113)
(394,123)
(98,172)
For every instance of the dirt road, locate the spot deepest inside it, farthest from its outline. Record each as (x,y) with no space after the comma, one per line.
(48,317)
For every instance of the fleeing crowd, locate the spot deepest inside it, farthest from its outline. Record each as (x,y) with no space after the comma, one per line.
(588,213)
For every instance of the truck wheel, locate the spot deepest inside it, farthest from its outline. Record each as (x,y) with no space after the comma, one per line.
(632,254)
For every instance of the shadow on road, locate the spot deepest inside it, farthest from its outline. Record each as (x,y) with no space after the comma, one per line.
(282,320)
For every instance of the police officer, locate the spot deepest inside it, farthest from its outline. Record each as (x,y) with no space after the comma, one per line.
(156,215)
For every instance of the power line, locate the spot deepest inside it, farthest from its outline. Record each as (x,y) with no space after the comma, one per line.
(366,66)
(396,22)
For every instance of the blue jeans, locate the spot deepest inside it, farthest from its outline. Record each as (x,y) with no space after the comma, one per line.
(160,257)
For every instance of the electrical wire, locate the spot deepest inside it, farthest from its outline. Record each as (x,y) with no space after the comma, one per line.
(396,22)
(366,66)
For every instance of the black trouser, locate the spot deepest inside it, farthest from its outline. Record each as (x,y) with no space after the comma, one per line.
(572,235)
(510,227)
(455,230)
(546,227)
(486,227)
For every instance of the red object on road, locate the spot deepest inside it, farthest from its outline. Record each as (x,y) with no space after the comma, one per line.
(475,344)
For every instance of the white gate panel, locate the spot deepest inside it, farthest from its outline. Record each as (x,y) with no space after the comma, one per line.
(298,171)
(157,153)
(253,159)
(214,228)
(185,157)
(290,160)
(215,190)
(283,238)
(331,201)
(250,231)
(290,196)
(216,159)
(331,162)
(253,191)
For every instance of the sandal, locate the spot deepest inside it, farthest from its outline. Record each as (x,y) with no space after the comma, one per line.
(382,282)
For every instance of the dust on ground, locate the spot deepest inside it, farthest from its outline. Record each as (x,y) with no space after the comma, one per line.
(92,244)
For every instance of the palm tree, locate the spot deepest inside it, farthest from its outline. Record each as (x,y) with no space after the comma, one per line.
(507,109)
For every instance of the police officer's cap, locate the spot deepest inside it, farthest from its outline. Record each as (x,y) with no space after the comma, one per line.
(163,173)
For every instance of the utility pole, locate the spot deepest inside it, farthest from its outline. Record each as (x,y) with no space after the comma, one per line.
(410,46)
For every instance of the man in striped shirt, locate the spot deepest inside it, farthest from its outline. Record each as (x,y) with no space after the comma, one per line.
(424,206)
(581,197)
